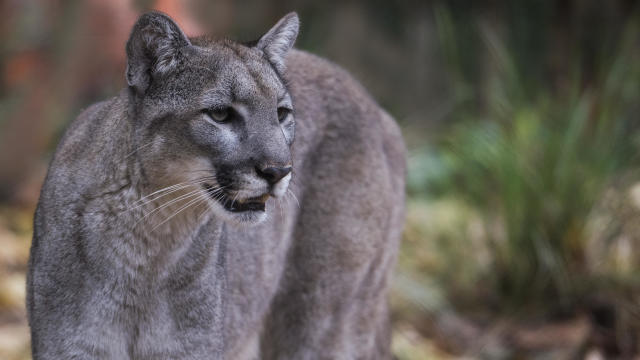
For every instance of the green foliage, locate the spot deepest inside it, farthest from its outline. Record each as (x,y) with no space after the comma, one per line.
(533,164)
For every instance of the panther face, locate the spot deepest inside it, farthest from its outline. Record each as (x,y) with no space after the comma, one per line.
(213,116)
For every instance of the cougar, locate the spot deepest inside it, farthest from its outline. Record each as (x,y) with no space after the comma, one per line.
(182,219)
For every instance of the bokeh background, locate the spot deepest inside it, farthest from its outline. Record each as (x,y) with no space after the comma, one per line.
(522,122)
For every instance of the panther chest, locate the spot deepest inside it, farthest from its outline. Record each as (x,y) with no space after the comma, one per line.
(141,324)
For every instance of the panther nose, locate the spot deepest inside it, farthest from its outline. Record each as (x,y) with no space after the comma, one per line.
(273,174)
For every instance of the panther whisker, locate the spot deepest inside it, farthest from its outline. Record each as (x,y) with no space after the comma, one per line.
(202,214)
(191,181)
(179,198)
(204,211)
(216,189)
(216,192)
(289,191)
(203,170)
(168,190)
(171,201)
(141,147)
(170,187)
(234,200)
(198,199)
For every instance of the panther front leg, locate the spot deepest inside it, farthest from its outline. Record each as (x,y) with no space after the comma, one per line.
(97,341)
(330,313)
(332,302)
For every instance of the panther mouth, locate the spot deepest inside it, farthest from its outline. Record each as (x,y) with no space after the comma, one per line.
(233,204)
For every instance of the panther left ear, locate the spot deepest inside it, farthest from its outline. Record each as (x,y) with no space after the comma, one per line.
(279,40)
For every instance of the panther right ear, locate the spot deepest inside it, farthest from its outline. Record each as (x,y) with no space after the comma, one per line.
(154,49)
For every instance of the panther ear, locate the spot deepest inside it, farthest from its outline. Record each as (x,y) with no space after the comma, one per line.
(154,49)
(279,40)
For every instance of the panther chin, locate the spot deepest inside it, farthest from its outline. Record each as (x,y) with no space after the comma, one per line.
(247,211)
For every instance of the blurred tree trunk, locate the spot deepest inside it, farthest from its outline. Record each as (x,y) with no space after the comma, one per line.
(81,60)
(28,127)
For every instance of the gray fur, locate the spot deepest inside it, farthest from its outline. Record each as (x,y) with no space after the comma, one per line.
(178,276)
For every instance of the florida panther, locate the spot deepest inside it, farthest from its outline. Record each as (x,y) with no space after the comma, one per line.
(234,201)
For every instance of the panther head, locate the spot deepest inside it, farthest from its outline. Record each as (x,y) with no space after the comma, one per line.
(215,115)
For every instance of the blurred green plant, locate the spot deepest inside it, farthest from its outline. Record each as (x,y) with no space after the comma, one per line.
(532,161)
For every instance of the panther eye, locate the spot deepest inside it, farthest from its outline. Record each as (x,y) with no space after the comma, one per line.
(283,112)
(219,115)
